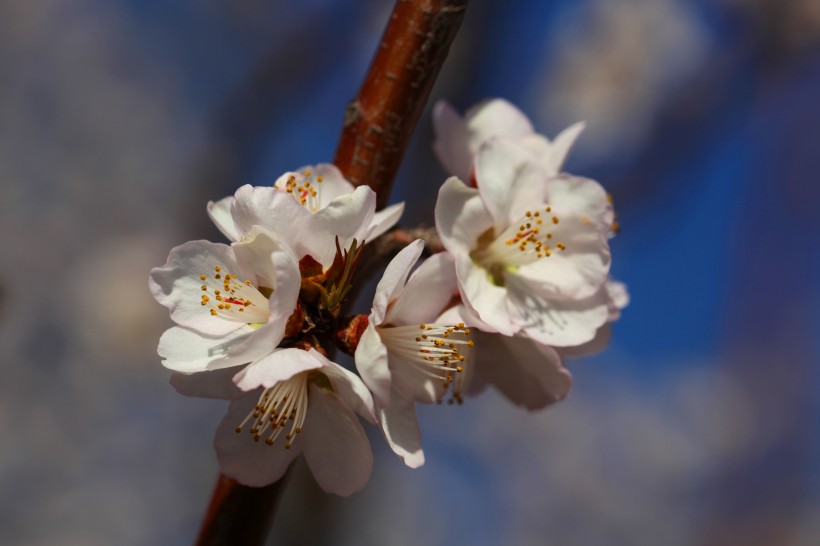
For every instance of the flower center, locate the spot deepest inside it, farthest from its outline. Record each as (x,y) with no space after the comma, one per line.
(303,189)
(524,242)
(286,402)
(435,350)
(230,299)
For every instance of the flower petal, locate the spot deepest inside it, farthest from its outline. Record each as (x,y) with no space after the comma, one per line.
(452,142)
(384,220)
(461,216)
(349,387)
(220,214)
(371,361)
(270,208)
(496,118)
(483,298)
(336,448)
(211,384)
(278,366)
(509,179)
(529,374)
(394,278)
(401,429)
(558,323)
(427,293)
(346,217)
(177,284)
(250,463)
(188,351)
(581,196)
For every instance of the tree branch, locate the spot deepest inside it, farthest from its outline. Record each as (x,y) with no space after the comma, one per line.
(379,122)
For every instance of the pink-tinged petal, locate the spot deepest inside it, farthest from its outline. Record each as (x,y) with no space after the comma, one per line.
(384,220)
(371,361)
(177,284)
(333,183)
(211,384)
(583,197)
(412,383)
(461,216)
(427,293)
(509,179)
(561,146)
(495,118)
(277,269)
(618,298)
(349,387)
(527,373)
(346,217)
(220,214)
(250,463)
(394,278)
(278,366)
(595,346)
(270,208)
(336,448)
(558,323)
(483,298)
(452,142)
(401,429)
(188,351)
(475,383)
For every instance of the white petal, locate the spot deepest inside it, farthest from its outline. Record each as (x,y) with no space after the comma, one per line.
(618,297)
(270,208)
(333,184)
(594,346)
(346,217)
(335,445)
(483,298)
(577,272)
(384,220)
(412,384)
(558,323)
(427,293)
(561,146)
(529,374)
(250,463)
(496,118)
(371,361)
(220,214)
(211,384)
(394,278)
(188,351)
(509,180)
(176,285)
(278,366)
(461,216)
(401,429)
(452,142)
(580,196)
(349,387)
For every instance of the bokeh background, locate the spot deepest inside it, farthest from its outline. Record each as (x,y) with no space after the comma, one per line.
(698,426)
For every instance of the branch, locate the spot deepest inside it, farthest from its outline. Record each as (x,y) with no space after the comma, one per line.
(379,122)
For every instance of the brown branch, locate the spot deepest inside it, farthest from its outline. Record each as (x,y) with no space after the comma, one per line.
(377,128)
(379,122)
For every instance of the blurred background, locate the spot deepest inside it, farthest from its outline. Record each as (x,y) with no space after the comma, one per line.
(698,426)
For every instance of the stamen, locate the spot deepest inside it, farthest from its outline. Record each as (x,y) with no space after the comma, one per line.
(524,242)
(438,353)
(233,300)
(301,187)
(285,401)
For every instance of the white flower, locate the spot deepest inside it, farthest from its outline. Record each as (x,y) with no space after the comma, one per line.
(531,250)
(617,298)
(308,208)
(290,402)
(459,139)
(231,303)
(528,373)
(406,355)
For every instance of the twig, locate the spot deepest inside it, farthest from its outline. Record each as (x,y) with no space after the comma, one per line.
(379,122)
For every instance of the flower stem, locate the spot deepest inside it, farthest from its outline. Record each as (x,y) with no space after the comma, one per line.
(379,122)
